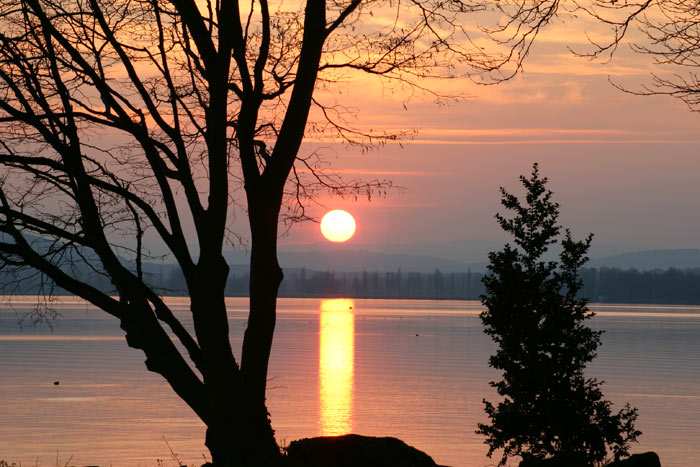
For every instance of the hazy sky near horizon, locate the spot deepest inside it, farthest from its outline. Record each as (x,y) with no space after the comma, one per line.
(622,166)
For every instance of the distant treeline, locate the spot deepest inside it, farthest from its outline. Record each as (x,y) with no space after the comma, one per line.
(375,284)
(613,285)
(366,284)
(672,286)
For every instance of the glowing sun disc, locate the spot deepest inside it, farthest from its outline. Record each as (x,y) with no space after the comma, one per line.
(338,225)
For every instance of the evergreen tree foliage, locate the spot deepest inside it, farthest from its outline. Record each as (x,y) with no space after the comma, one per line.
(534,314)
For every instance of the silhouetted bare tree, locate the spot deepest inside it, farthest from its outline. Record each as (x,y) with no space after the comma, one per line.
(126,118)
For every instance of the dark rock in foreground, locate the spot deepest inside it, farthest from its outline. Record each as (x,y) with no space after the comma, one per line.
(354,451)
(647,459)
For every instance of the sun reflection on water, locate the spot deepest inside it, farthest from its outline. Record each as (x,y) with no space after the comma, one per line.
(336,366)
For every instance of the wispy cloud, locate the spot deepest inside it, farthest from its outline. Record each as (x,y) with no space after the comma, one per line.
(553,136)
(557,141)
(386,173)
(531,136)
(374,173)
(477,132)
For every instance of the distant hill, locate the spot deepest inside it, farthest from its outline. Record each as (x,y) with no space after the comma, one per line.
(346,258)
(649,260)
(355,260)
(315,270)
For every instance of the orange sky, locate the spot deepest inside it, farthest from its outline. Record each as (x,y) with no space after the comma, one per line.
(623,167)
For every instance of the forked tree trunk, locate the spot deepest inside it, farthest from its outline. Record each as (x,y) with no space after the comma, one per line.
(239,432)
(243,434)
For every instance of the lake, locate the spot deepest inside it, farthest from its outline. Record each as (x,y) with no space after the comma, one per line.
(413,369)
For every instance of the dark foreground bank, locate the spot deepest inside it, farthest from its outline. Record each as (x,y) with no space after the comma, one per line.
(369,451)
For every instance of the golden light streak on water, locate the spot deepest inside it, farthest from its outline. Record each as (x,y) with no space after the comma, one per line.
(336,369)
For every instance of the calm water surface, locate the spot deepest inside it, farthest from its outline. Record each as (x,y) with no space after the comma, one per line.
(412,369)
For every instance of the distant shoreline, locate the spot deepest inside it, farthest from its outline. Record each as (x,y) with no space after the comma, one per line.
(62,294)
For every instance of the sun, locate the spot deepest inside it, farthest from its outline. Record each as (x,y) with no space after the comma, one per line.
(338,225)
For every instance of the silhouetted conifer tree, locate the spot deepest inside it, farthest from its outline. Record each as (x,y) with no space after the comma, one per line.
(534,314)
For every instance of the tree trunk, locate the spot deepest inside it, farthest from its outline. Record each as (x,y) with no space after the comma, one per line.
(236,434)
(265,278)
